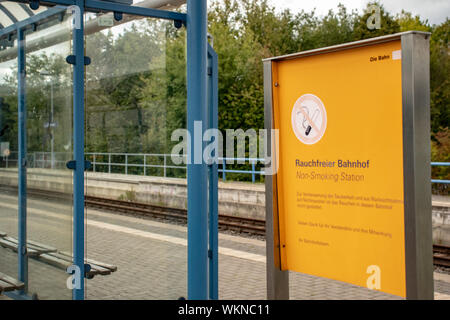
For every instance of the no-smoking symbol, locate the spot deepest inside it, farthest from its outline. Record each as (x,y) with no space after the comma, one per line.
(309,119)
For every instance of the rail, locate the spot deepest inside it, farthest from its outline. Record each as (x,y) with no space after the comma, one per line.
(163,162)
(440,164)
(110,162)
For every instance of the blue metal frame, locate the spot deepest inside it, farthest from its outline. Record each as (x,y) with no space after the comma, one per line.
(252,161)
(202,283)
(20,28)
(213,99)
(51,2)
(95,5)
(40,17)
(135,10)
(197,179)
(18,295)
(78,137)
(22,164)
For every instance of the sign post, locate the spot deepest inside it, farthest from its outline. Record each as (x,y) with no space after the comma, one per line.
(351,200)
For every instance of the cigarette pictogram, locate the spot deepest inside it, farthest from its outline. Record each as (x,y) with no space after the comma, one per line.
(309,119)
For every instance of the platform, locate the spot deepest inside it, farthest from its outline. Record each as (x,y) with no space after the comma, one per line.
(151,261)
(241,199)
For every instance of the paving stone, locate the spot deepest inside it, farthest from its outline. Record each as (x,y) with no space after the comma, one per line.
(154,269)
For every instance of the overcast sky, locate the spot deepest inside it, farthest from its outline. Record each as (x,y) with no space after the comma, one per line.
(434,10)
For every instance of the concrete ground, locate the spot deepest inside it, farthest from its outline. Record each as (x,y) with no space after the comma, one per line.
(151,259)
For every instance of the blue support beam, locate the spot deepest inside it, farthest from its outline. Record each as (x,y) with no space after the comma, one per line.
(38,18)
(54,2)
(141,11)
(22,164)
(78,137)
(213,98)
(200,281)
(197,175)
(18,295)
(91,5)
(49,3)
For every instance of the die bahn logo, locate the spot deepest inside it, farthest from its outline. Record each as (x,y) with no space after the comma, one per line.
(309,119)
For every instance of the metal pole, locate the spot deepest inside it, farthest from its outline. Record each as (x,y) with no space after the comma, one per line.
(78,177)
(22,164)
(416,166)
(164,165)
(253,171)
(145,165)
(51,124)
(213,183)
(109,163)
(126,164)
(196,168)
(277,280)
(224,168)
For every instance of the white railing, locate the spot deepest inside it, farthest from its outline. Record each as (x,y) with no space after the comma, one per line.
(112,161)
(58,160)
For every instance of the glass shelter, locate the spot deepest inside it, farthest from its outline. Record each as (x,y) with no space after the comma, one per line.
(81,76)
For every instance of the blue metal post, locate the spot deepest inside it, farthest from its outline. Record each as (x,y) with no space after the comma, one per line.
(196,168)
(224,169)
(253,171)
(22,164)
(78,137)
(213,182)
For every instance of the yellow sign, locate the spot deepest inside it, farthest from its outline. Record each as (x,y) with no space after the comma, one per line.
(340,178)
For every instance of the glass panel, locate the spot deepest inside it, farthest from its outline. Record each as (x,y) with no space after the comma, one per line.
(8,156)
(135,98)
(49,142)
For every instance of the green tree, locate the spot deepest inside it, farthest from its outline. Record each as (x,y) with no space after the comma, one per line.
(332,29)
(47,75)
(274,32)
(439,74)
(136,83)
(409,22)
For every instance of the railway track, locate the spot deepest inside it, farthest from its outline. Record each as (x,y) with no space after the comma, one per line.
(226,222)
(441,254)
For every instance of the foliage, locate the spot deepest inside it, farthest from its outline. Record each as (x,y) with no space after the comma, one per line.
(440,151)
(47,77)
(136,84)
(439,76)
